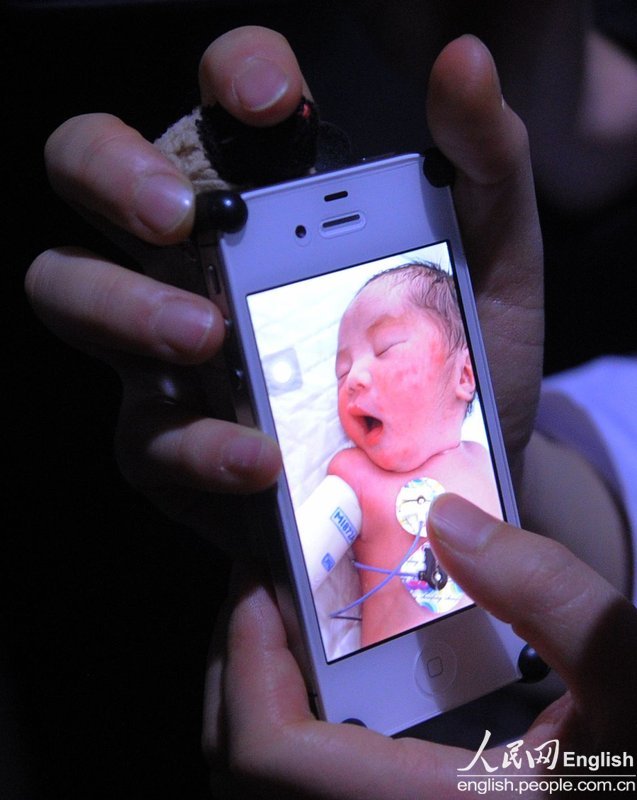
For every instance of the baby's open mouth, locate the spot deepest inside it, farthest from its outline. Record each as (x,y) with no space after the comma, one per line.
(371,423)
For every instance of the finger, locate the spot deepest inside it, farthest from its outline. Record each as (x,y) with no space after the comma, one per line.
(275,743)
(572,616)
(495,202)
(98,306)
(253,73)
(101,166)
(488,144)
(166,440)
(166,443)
(213,742)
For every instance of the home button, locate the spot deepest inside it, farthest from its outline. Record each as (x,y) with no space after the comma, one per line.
(435,668)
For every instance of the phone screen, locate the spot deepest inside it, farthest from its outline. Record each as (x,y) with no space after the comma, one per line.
(374,396)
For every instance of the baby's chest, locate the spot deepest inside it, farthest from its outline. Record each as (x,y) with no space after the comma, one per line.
(397,504)
(393,506)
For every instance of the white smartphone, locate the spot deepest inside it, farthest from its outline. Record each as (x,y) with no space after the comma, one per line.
(354,341)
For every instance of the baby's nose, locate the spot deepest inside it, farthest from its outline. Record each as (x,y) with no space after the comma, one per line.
(359,376)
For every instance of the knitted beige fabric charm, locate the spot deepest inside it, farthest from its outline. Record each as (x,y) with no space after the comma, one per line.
(181,144)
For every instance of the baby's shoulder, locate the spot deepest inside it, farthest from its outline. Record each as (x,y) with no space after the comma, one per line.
(345,459)
(467,453)
(474,452)
(349,464)
(470,473)
(467,459)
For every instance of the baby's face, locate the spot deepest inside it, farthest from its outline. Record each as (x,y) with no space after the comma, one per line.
(396,393)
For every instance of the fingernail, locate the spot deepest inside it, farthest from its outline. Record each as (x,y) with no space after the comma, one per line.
(182,324)
(260,84)
(162,202)
(246,454)
(459,524)
(482,52)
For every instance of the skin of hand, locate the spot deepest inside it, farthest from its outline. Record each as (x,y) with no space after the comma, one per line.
(262,740)
(152,333)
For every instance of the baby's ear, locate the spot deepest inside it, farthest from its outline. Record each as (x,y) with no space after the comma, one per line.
(466,386)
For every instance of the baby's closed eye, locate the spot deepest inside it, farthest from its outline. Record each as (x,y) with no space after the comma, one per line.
(383,347)
(385,336)
(342,369)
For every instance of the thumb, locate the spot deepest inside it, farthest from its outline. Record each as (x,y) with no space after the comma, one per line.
(577,622)
(253,73)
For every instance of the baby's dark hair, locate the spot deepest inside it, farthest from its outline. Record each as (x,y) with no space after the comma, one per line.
(430,288)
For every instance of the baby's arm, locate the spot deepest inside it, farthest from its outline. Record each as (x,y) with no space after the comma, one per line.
(339,463)
(346,465)
(329,521)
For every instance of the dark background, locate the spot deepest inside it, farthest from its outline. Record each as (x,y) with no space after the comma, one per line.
(106,607)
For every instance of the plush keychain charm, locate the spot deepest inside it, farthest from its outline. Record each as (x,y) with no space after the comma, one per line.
(216,151)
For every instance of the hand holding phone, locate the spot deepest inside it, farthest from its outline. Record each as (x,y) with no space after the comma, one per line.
(167,455)
(256,693)
(495,248)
